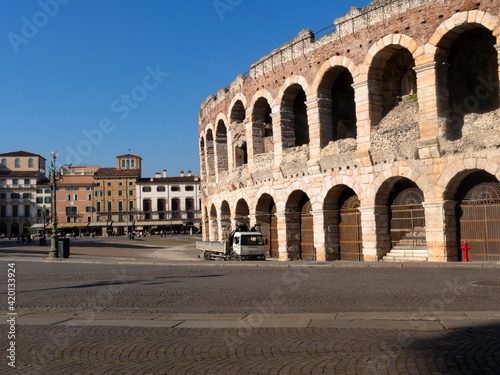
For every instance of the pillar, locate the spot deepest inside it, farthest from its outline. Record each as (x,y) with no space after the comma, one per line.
(282,236)
(318,112)
(440,231)
(375,232)
(432,98)
(362,98)
(331,232)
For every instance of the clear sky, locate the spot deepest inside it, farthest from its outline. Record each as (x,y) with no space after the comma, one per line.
(99,78)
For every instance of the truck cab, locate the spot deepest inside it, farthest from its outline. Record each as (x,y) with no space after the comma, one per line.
(248,245)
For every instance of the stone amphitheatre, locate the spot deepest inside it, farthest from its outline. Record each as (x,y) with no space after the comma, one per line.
(378,141)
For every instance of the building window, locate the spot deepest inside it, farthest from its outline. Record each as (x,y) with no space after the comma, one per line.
(128,164)
(68,197)
(17,164)
(15,195)
(160,188)
(98,207)
(88,188)
(47,191)
(98,184)
(14,181)
(3,195)
(3,182)
(189,188)
(175,188)
(109,183)
(120,193)
(88,209)
(175,204)
(130,192)
(14,211)
(189,204)
(47,200)
(4,163)
(109,207)
(131,205)
(89,197)
(120,183)
(38,191)
(98,193)
(27,181)
(31,163)
(71,210)
(39,200)
(146,204)
(161,204)
(190,215)
(133,163)
(109,193)
(146,189)
(123,163)
(26,211)
(27,195)
(120,206)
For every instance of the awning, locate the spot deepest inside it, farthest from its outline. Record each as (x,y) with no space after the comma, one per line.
(37,226)
(66,225)
(156,223)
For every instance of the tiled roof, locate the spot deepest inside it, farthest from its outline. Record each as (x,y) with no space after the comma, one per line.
(22,153)
(115,172)
(18,173)
(129,156)
(169,180)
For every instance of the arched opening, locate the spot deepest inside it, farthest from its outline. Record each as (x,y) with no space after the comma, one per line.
(342,224)
(241,154)
(295,128)
(31,163)
(300,235)
(210,153)
(472,78)
(4,163)
(3,229)
(203,157)
(262,127)
(392,79)
(214,227)
(241,214)
(338,118)
(17,163)
(225,220)
(405,220)
(221,146)
(238,112)
(478,216)
(267,224)
(14,229)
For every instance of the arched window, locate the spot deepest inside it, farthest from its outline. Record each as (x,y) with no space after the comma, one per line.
(18,163)
(4,163)
(31,163)
(132,163)
(123,163)
(128,164)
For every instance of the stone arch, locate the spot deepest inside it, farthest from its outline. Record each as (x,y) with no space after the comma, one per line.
(342,224)
(262,124)
(240,113)
(214,227)
(400,218)
(241,213)
(267,223)
(391,77)
(221,155)
(209,139)
(299,226)
(464,46)
(225,220)
(294,121)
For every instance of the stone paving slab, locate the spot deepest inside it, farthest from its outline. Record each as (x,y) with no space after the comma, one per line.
(212,317)
(407,325)
(403,315)
(483,314)
(470,323)
(121,323)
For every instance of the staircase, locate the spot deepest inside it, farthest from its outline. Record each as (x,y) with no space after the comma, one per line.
(411,248)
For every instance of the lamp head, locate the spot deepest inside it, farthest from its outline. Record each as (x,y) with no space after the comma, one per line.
(54,153)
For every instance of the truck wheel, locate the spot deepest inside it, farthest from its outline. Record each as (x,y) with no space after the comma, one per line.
(207,255)
(234,256)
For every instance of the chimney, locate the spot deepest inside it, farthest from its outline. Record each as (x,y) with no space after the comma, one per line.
(182,173)
(164,173)
(157,175)
(189,173)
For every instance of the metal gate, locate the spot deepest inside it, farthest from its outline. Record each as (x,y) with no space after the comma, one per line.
(307,251)
(408,220)
(480,222)
(350,240)
(274,237)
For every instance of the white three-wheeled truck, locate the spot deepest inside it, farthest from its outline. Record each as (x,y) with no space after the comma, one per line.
(241,245)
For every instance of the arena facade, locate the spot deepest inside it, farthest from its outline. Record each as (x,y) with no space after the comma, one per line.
(378,141)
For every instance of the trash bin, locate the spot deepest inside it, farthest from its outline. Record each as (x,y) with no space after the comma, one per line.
(63,247)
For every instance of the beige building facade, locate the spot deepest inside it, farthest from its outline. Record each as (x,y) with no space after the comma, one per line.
(379,141)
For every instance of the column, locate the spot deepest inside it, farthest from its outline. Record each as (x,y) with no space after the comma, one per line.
(440,231)
(363,122)
(319,235)
(375,232)
(431,91)
(331,230)
(319,111)
(278,143)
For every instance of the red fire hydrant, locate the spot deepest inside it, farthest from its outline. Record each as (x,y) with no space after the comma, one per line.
(465,248)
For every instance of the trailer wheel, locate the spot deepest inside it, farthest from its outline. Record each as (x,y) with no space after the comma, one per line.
(207,255)
(234,256)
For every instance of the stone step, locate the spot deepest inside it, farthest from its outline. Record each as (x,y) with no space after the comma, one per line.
(408,252)
(404,259)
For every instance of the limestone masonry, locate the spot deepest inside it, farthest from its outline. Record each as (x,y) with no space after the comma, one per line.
(379,141)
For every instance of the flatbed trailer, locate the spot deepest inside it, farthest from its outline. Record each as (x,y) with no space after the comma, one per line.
(213,250)
(240,246)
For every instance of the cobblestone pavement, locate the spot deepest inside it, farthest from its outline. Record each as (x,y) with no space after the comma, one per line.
(220,318)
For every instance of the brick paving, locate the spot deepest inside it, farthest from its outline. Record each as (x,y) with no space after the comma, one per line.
(223,318)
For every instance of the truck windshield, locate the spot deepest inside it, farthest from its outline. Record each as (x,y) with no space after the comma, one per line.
(252,240)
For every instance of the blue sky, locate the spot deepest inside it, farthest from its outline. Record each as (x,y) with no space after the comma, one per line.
(95,78)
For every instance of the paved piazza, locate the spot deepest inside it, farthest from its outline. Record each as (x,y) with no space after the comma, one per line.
(185,316)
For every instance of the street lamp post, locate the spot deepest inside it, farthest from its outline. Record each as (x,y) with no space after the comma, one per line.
(55,175)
